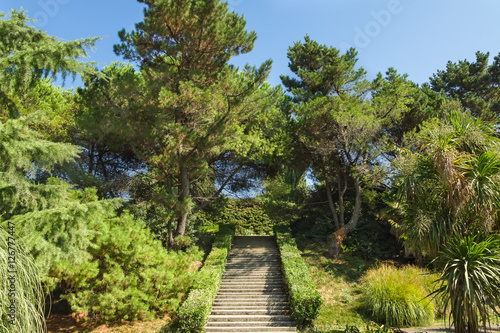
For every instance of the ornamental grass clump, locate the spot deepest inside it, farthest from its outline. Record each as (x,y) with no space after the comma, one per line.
(21,293)
(397,296)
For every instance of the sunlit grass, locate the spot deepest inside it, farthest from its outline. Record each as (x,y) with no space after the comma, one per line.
(397,296)
(337,283)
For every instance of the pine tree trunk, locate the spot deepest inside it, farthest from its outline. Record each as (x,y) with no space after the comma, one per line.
(330,200)
(337,238)
(171,240)
(183,212)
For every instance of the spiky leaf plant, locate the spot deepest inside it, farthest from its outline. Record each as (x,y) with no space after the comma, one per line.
(470,281)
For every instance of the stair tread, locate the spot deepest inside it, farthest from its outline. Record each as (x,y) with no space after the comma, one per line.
(252,296)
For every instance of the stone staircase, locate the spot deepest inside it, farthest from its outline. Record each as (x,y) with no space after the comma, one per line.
(252,296)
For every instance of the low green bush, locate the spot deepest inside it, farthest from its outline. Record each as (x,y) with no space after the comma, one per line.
(130,275)
(305,299)
(248,216)
(398,296)
(194,312)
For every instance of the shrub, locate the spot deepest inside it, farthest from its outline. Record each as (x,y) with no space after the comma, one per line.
(248,216)
(397,297)
(194,312)
(305,299)
(130,276)
(469,282)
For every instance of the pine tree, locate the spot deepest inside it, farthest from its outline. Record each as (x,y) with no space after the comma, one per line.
(201,112)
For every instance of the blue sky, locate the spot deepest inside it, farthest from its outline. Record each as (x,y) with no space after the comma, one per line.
(416,37)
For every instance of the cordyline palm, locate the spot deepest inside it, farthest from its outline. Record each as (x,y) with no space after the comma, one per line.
(470,281)
(451,185)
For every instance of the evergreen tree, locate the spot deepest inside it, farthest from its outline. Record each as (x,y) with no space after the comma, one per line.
(28,54)
(338,127)
(199,111)
(475,84)
(105,106)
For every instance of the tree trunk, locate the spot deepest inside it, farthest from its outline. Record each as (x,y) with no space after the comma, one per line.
(183,211)
(171,240)
(336,239)
(342,188)
(330,199)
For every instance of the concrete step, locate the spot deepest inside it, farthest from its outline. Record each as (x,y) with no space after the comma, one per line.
(282,306)
(248,286)
(252,283)
(248,304)
(250,312)
(248,329)
(252,297)
(284,323)
(258,318)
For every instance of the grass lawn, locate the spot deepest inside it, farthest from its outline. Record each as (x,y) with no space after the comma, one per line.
(337,281)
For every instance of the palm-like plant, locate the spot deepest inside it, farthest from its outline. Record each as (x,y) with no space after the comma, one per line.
(470,281)
(450,185)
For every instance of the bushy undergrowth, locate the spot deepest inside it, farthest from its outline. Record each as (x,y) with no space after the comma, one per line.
(248,216)
(194,312)
(130,276)
(398,296)
(305,299)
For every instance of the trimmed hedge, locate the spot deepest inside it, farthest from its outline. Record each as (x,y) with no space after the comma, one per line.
(194,312)
(305,299)
(248,215)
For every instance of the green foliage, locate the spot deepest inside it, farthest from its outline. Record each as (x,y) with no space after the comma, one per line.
(27,292)
(305,300)
(28,54)
(108,265)
(107,142)
(22,156)
(194,312)
(372,327)
(248,215)
(203,117)
(130,275)
(469,282)
(372,240)
(449,186)
(475,84)
(397,296)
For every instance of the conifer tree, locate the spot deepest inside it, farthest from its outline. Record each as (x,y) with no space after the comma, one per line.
(28,54)
(200,110)
(475,84)
(339,128)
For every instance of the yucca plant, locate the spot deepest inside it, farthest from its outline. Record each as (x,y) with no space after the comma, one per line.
(470,281)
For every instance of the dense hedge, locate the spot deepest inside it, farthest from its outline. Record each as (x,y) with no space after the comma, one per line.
(194,312)
(305,299)
(248,215)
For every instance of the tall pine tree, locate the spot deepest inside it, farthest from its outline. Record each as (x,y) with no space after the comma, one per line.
(200,110)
